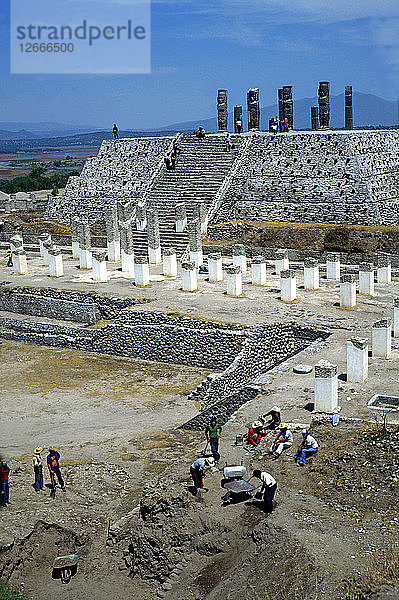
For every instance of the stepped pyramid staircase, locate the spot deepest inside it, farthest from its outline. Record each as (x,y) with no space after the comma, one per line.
(201,169)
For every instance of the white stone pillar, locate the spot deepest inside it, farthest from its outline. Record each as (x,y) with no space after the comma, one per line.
(366,279)
(99,266)
(44,237)
(239,257)
(325,387)
(127,261)
(141,218)
(181,217)
(55,262)
(258,270)
(234,280)
(113,238)
(396,317)
(85,259)
(16,242)
(282,262)
(333,266)
(357,352)
(75,226)
(114,250)
(169,262)
(288,285)
(195,242)
(215,267)
(311,274)
(154,240)
(19,261)
(381,338)
(47,246)
(189,277)
(141,271)
(347,291)
(127,251)
(383,268)
(85,256)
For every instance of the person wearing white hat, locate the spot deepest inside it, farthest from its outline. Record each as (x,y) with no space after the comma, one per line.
(38,468)
(308,447)
(275,417)
(197,471)
(268,490)
(283,440)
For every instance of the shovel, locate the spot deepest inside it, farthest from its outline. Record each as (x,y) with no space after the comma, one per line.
(203,452)
(52,491)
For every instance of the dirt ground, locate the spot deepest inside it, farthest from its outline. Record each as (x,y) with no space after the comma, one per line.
(116,423)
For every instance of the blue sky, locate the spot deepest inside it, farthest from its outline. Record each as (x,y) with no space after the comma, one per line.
(199,46)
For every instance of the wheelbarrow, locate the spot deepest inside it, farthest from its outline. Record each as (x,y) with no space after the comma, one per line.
(238,490)
(65,566)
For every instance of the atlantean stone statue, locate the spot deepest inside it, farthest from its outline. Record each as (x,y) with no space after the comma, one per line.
(348,107)
(314,117)
(222,110)
(253,109)
(324,104)
(286,105)
(238,124)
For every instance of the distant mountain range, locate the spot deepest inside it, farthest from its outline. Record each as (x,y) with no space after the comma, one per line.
(369,111)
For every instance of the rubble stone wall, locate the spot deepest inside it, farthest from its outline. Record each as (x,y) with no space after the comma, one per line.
(122,170)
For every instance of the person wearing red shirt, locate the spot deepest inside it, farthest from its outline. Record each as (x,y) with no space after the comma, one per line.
(4,485)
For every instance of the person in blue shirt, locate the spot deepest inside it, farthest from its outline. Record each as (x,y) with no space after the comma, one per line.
(283,440)
(197,471)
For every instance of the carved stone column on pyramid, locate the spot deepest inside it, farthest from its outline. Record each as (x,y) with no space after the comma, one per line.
(238,124)
(288,285)
(47,246)
(16,242)
(222,110)
(141,271)
(381,342)
(154,240)
(396,317)
(85,256)
(127,250)
(113,240)
(215,267)
(44,237)
(324,104)
(311,274)
(189,277)
(333,266)
(347,291)
(253,109)
(325,387)
(55,262)
(99,266)
(357,351)
(75,225)
(348,107)
(366,279)
(195,242)
(240,257)
(286,105)
(314,118)
(383,268)
(124,211)
(281,261)
(141,218)
(234,280)
(19,261)
(169,262)
(258,270)
(181,217)
(199,212)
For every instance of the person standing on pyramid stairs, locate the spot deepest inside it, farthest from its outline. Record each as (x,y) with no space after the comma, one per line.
(115,131)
